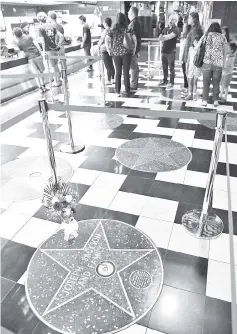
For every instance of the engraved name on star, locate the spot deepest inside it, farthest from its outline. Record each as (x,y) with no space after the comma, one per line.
(83,274)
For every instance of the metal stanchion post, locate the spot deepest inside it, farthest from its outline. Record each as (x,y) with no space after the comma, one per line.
(149,59)
(69,147)
(50,79)
(44,114)
(203,223)
(105,104)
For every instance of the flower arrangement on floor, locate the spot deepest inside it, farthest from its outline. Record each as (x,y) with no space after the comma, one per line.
(61,201)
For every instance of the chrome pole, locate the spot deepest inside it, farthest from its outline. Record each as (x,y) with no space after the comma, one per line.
(203,223)
(69,147)
(43,107)
(50,79)
(149,58)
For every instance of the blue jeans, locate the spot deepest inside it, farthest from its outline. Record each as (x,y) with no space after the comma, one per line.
(168,61)
(211,73)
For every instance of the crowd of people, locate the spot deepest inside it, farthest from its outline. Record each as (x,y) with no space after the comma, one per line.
(120,45)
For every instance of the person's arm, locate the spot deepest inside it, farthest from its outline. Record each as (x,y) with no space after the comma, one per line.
(42,41)
(108,44)
(84,37)
(60,38)
(37,46)
(134,38)
(102,39)
(167,37)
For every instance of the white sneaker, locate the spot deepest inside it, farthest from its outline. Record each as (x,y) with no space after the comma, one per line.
(170,86)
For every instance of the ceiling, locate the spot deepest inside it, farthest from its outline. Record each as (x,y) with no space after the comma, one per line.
(35,2)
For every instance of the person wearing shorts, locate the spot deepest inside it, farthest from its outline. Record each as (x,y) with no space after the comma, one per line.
(52,41)
(227,72)
(32,52)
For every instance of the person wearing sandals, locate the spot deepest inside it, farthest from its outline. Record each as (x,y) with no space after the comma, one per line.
(193,72)
(121,55)
(32,51)
(213,62)
(228,70)
(107,59)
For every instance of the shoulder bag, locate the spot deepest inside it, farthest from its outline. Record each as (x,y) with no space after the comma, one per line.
(198,59)
(128,41)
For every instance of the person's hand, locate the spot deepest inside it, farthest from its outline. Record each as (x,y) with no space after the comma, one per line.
(134,52)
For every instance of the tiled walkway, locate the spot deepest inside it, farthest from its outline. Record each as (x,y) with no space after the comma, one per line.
(196,297)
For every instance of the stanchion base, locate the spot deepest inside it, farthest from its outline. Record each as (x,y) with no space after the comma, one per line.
(213,226)
(108,105)
(66,148)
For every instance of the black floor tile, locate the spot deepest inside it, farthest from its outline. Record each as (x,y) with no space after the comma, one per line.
(126,127)
(199,166)
(42,214)
(16,313)
(41,328)
(230,139)
(120,134)
(95,164)
(121,216)
(168,123)
(205,135)
(136,135)
(6,125)
(114,166)
(10,152)
(6,286)
(84,212)
(15,259)
(217,317)
(185,272)
(178,312)
(200,155)
(223,214)
(144,175)
(221,169)
(166,190)
(102,152)
(186,126)
(81,189)
(193,195)
(137,185)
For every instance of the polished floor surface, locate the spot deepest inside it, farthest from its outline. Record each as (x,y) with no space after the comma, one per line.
(195,297)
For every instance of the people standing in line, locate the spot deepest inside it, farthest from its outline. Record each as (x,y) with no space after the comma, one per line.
(136,28)
(53,20)
(86,40)
(184,34)
(32,51)
(25,27)
(193,72)
(121,55)
(226,33)
(51,43)
(107,59)
(213,62)
(228,70)
(169,38)
(195,30)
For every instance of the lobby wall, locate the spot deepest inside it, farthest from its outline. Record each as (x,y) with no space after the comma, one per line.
(227,12)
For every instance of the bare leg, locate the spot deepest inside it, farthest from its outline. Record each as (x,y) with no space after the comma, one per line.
(195,81)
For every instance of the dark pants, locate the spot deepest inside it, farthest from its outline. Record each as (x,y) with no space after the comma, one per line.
(134,72)
(184,74)
(87,52)
(108,61)
(168,60)
(212,74)
(122,62)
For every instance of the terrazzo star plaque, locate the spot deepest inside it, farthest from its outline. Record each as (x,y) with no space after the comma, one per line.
(105,280)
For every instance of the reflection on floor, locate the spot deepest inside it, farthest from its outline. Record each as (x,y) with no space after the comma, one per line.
(196,294)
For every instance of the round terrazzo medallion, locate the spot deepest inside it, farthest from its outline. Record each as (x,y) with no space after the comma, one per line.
(231,122)
(153,155)
(101,282)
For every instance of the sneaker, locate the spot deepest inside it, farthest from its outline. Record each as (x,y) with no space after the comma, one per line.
(89,70)
(204,103)
(184,90)
(216,104)
(195,97)
(189,98)
(57,84)
(113,81)
(170,86)
(163,84)
(108,83)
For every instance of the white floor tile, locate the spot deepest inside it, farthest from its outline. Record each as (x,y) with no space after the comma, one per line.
(182,241)
(203,144)
(35,232)
(11,223)
(159,231)
(196,179)
(176,176)
(85,176)
(99,196)
(26,207)
(159,208)
(128,203)
(22,280)
(220,200)
(159,107)
(152,331)
(188,121)
(218,280)
(184,137)
(220,248)
(220,183)
(232,149)
(109,180)
(135,329)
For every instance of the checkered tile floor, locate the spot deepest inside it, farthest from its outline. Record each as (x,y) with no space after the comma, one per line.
(196,294)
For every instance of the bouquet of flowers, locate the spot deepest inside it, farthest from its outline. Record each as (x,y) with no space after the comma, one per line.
(61,201)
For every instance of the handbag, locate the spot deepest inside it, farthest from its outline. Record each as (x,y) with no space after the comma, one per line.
(198,59)
(128,41)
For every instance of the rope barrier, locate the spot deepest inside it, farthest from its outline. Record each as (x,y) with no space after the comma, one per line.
(231,240)
(76,57)
(136,112)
